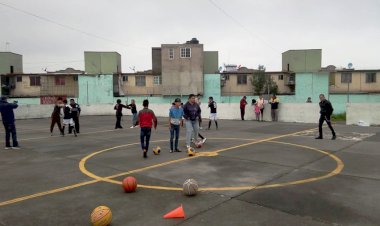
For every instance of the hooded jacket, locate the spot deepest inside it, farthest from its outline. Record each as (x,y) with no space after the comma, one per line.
(7,111)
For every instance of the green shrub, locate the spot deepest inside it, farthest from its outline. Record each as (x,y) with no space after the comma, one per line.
(339,117)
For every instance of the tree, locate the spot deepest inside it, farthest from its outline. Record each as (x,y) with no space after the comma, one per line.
(262,83)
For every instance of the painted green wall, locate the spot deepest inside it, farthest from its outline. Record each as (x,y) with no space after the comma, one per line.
(95,89)
(210,62)
(102,62)
(311,85)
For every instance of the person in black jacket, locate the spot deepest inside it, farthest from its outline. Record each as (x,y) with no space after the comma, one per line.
(75,112)
(68,118)
(8,117)
(326,112)
(119,108)
(56,116)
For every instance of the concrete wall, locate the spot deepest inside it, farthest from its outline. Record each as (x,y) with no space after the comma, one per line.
(95,89)
(182,75)
(24,88)
(363,114)
(302,61)
(102,62)
(8,59)
(311,85)
(210,62)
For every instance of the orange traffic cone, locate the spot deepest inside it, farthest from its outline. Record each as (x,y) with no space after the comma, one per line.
(176,213)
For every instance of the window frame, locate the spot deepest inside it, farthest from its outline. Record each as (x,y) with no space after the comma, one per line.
(19,78)
(138,80)
(125,78)
(343,77)
(280,77)
(35,80)
(155,80)
(60,80)
(184,53)
(171,53)
(241,79)
(373,77)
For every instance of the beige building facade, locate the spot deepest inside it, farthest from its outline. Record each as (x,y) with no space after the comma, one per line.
(139,84)
(355,81)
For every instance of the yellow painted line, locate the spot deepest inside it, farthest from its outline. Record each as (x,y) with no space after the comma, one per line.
(108,179)
(47,192)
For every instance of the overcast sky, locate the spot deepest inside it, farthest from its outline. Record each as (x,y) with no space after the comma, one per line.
(245,32)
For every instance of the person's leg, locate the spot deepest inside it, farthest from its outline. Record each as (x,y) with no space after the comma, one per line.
(195,126)
(321,120)
(209,124)
(14,135)
(189,132)
(328,121)
(7,135)
(216,124)
(176,129)
(118,122)
(147,138)
(171,137)
(142,138)
(272,114)
(73,126)
(134,119)
(242,112)
(262,114)
(53,121)
(77,126)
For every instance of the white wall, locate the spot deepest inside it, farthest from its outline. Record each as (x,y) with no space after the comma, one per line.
(305,113)
(364,114)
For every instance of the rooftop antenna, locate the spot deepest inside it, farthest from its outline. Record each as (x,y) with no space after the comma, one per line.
(133,68)
(350,65)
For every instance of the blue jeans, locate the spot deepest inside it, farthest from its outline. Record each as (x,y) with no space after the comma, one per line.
(10,128)
(174,129)
(145,136)
(134,118)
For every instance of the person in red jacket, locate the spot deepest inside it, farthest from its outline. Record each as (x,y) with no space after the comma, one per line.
(145,119)
(243,102)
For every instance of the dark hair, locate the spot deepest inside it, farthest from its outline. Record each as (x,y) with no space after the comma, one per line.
(145,103)
(211,98)
(118,101)
(244,97)
(65,101)
(72,99)
(191,96)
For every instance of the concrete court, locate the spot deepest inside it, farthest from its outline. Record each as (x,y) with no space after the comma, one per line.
(46,163)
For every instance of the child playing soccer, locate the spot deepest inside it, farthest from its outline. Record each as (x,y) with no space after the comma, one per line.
(119,108)
(175,121)
(68,118)
(144,119)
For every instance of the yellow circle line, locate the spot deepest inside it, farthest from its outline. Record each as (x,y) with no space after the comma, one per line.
(337,170)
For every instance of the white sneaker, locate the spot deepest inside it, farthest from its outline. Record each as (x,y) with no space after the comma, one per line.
(7,148)
(204,140)
(16,148)
(132,127)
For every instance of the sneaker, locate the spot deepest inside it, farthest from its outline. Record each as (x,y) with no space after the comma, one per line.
(333,137)
(7,147)
(200,128)
(16,147)
(177,150)
(319,138)
(132,127)
(145,153)
(204,140)
(171,151)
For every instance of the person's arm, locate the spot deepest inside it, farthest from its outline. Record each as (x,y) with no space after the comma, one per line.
(170,124)
(154,120)
(115,108)
(199,113)
(78,109)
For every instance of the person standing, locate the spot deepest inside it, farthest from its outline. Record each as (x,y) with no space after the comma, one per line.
(326,112)
(119,113)
(133,108)
(261,103)
(75,111)
(199,102)
(212,106)
(192,115)
(243,102)
(8,118)
(257,111)
(68,118)
(56,116)
(274,101)
(175,121)
(145,118)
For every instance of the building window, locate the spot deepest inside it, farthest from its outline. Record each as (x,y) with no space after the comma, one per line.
(140,80)
(280,77)
(35,81)
(346,77)
(171,54)
(19,79)
(241,79)
(75,78)
(157,80)
(185,52)
(125,78)
(59,80)
(370,77)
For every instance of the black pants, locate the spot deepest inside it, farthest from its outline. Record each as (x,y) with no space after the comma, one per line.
(118,122)
(242,113)
(145,137)
(326,118)
(76,121)
(10,128)
(55,120)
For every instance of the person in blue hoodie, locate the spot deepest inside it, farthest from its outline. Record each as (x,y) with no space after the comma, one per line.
(8,117)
